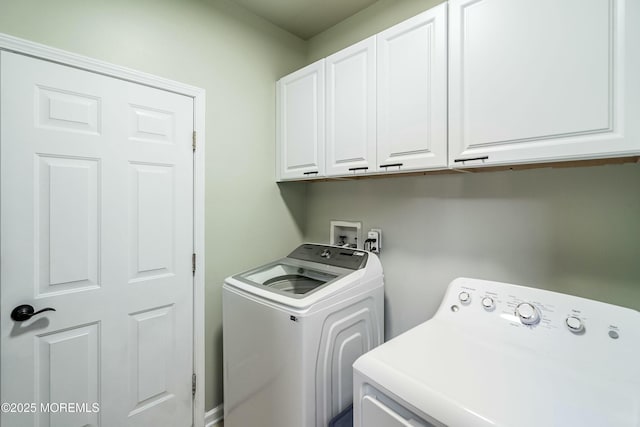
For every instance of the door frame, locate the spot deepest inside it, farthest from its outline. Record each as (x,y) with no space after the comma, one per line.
(40,51)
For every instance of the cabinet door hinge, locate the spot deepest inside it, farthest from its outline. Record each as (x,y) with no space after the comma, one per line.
(193,385)
(193,144)
(193,264)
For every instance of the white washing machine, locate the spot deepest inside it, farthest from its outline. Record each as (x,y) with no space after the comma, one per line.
(497,354)
(291,332)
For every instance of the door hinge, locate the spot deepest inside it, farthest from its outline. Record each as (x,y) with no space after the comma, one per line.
(193,144)
(193,385)
(193,264)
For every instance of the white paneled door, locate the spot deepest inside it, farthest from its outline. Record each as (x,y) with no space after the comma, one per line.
(97,223)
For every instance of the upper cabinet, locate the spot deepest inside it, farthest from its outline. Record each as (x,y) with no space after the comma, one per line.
(412,93)
(542,80)
(300,124)
(469,83)
(351,109)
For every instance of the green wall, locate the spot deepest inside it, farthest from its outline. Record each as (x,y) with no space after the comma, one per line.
(570,230)
(372,20)
(236,57)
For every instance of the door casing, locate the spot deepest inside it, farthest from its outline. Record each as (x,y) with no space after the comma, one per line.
(25,47)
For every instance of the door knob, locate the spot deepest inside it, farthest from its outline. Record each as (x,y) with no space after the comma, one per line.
(26,312)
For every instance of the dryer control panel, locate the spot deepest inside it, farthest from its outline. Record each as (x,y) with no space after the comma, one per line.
(550,323)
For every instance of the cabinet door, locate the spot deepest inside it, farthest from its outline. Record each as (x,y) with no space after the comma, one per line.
(300,124)
(412,93)
(351,109)
(540,80)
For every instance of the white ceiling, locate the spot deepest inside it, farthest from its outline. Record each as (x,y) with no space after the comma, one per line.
(305,18)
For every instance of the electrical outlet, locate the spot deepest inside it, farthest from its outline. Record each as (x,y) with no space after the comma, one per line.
(374,239)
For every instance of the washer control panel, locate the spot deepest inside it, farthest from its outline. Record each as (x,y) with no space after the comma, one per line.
(487,307)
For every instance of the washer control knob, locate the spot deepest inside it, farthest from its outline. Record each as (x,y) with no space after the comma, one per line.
(574,324)
(528,314)
(488,303)
(464,297)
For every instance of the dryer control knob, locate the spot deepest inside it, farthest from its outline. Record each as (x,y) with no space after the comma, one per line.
(574,324)
(464,297)
(528,314)
(488,304)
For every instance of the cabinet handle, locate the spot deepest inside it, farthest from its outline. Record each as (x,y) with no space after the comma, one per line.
(310,173)
(471,159)
(391,165)
(363,168)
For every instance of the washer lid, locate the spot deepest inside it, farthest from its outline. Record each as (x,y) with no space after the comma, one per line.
(288,279)
(342,271)
(307,269)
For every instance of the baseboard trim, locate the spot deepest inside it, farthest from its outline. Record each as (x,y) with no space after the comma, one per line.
(214,416)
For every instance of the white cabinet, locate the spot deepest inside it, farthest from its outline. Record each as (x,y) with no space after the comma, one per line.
(351,109)
(412,93)
(300,124)
(542,80)
(469,83)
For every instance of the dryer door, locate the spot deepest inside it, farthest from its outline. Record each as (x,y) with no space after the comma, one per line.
(377,414)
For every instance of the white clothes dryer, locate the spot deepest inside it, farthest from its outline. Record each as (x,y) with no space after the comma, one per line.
(291,332)
(497,354)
